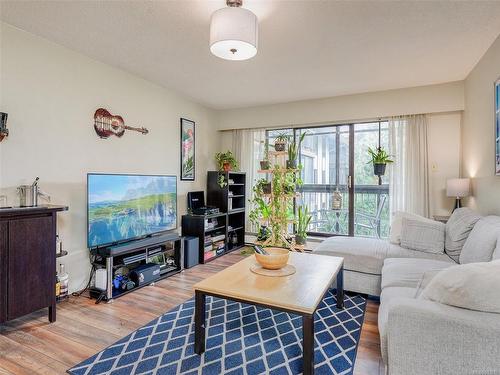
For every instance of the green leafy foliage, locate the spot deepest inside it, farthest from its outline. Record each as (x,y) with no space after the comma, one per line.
(227,157)
(303,221)
(379,156)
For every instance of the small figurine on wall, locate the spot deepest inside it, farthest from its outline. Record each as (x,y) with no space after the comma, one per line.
(4,132)
(106,124)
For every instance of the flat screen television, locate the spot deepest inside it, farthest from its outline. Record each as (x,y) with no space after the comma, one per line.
(126,207)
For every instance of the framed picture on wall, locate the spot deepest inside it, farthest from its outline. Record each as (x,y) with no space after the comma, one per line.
(497,127)
(187,150)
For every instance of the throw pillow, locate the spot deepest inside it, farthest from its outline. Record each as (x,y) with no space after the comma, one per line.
(458,229)
(426,236)
(482,241)
(397,225)
(471,286)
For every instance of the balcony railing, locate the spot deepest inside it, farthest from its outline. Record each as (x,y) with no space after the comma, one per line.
(371,210)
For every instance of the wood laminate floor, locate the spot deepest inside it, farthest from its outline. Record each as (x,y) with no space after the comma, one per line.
(30,345)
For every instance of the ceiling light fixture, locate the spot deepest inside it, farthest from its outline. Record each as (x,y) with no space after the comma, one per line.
(233,32)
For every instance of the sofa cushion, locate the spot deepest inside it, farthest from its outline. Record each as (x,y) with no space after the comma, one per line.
(458,229)
(367,255)
(407,272)
(482,241)
(425,280)
(387,298)
(397,225)
(423,236)
(471,286)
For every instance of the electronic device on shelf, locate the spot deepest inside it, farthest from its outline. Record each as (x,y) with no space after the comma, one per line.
(196,204)
(145,274)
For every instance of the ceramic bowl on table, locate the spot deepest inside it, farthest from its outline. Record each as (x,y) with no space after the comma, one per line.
(277,258)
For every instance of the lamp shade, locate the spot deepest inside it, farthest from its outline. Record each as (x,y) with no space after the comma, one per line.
(458,187)
(233,33)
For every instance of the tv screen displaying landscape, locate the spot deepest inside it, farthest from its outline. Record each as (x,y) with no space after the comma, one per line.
(124,207)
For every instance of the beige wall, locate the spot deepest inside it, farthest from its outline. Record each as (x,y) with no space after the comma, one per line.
(446,97)
(479,133)
(51,94)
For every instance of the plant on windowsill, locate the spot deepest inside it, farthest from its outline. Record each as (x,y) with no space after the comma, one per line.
(379,158)
(280,142)
(293,152)
(302,223)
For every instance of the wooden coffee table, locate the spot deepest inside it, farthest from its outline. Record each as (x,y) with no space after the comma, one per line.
(299,293)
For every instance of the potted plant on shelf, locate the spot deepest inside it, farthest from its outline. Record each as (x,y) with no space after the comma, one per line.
(226,161)
(259,214)
(293,152)
(280,142)
(263,186)
(264,164)
(379,158)
(302,223)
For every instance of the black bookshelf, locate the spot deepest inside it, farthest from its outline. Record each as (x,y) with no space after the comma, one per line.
(230,199)
(230,222)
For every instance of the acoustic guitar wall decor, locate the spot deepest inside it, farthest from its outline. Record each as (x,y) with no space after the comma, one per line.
(106,125)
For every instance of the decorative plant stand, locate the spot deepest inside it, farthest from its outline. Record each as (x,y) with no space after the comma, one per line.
(280,202)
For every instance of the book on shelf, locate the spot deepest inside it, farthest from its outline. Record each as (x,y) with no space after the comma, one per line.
(208,248)
(219,237)
(209,255)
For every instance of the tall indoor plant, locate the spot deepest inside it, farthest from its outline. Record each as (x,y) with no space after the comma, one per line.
(303,221)
(379,158)
(293,152)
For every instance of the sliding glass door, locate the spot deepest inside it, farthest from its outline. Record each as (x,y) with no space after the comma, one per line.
(343,195)
(326,161)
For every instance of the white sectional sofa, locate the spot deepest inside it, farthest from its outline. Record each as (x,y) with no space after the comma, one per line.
(420,336)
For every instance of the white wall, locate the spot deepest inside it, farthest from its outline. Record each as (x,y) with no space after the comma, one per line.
(444,158)
(478,134)
(446,97)
(51,93)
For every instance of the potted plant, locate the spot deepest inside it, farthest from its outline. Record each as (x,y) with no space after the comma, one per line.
(302,223)
(280,142)
(379,158)
(293,152)
(263,186)
(264,163)
(226,161)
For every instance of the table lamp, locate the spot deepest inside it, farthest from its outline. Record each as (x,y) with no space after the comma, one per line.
(458,188)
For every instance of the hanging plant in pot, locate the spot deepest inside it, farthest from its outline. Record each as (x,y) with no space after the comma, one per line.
(226,161)
(280,142)
(293,152)
(379,158)
(302,223)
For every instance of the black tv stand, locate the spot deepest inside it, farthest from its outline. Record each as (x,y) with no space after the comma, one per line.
(138,252)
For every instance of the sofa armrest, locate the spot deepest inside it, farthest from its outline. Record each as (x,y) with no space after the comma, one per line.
(426,337)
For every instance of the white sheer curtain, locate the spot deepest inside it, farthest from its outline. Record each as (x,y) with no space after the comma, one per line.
(248,148)
(409,179)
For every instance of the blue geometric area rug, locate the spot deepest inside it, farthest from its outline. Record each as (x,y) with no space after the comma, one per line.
(241,339)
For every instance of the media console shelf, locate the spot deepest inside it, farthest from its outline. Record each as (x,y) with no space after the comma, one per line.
(134,253)
(226,228)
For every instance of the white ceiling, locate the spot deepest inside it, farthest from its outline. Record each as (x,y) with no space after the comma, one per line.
(307,49)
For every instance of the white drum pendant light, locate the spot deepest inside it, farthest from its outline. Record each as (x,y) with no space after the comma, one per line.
(233,32)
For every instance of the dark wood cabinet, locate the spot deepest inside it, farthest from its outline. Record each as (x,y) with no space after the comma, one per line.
(27,261)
